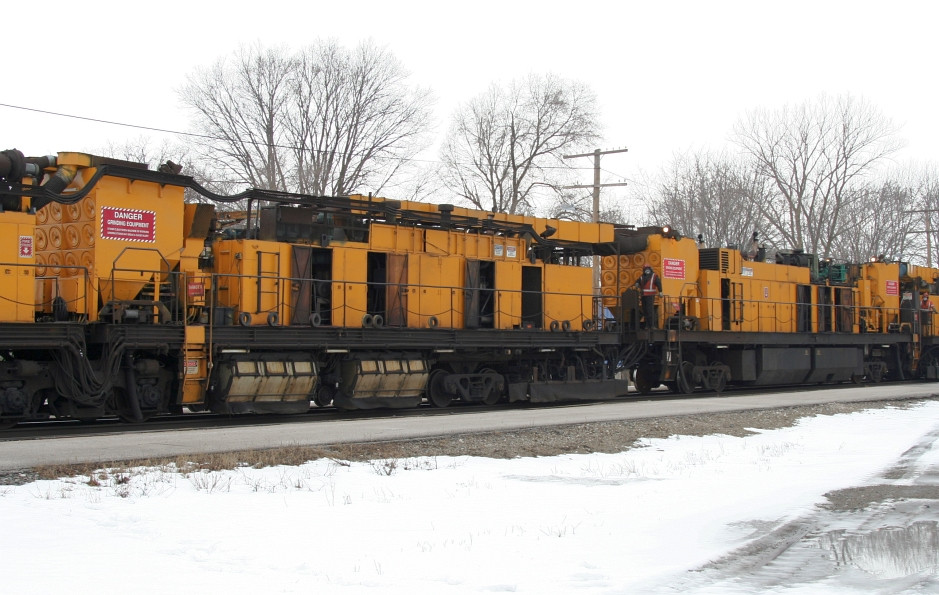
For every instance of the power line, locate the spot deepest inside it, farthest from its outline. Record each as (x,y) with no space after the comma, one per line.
(217,138)
(87,119)
(596,177)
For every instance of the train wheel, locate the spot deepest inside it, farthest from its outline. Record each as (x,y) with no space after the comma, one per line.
(719,381)
(436,393)
(685,381)
(495,394)
(929,365)
(646,379)
(323,396)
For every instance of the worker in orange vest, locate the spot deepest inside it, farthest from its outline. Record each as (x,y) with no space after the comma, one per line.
(928,309)
(649,286)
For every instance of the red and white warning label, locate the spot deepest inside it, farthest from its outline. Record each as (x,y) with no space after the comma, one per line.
(673,268)
(26,246)
(128,224)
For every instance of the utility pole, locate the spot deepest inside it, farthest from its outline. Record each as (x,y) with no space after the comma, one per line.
(928,233)
(596,178)
(596,205)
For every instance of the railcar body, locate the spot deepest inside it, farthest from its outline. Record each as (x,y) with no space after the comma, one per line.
(726,319)
(121,298)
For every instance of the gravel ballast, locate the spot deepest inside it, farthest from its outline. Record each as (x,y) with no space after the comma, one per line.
(606,437)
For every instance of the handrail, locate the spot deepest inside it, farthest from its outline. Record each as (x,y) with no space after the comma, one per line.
(783,316)
(570,310)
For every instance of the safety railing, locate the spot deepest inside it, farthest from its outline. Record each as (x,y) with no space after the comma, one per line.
(61,296)
(772,316)
(236,299)
(201,298)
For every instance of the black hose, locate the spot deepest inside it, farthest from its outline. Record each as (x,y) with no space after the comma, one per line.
(896,353)
(12,171)
(12,165)
(131,379)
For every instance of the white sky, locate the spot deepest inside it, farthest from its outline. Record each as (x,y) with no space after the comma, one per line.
(650,520)
(669,75)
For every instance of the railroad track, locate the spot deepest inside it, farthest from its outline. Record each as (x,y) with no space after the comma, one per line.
(55,428)
(505,430)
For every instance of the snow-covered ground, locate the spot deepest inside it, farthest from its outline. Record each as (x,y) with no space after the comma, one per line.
(708,514)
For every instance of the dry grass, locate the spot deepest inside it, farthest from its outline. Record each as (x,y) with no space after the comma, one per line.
(289,456)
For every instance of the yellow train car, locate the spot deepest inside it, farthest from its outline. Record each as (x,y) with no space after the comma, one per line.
(729,318)
(519,286)
(399,275)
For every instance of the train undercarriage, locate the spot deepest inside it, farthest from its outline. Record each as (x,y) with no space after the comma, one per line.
(686,360)
(137,371)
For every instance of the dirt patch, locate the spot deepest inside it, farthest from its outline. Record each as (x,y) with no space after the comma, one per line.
(861,497)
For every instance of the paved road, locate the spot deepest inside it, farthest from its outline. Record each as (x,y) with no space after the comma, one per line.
(881,536)
(21,454)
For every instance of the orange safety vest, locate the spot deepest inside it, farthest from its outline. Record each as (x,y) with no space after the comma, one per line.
(649,288)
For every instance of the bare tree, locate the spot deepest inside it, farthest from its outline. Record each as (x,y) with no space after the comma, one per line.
(143,150)
(324,120)
(579,207)
(355,121)
(503,150)
(714,196)
(878,221)
(897,217)
(816,155)
(239,106)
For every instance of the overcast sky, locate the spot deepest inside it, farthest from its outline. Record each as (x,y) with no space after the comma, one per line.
(670,76)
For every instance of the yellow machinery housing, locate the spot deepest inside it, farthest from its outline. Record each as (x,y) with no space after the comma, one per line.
(407,276)
(120,242)
(17,267)
(727,318)
(717,289)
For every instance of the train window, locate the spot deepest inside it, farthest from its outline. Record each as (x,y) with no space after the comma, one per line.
(532,298)
(804,308)
(479,298)
(310,293)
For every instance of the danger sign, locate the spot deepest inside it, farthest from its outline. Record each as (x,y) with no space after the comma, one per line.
(128,224)
(673,268)
(893,288)
(26,246)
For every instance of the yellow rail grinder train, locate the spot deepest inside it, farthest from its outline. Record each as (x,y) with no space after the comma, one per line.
(132,292)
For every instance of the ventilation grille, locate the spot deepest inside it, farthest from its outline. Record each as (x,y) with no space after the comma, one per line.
(714,259)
